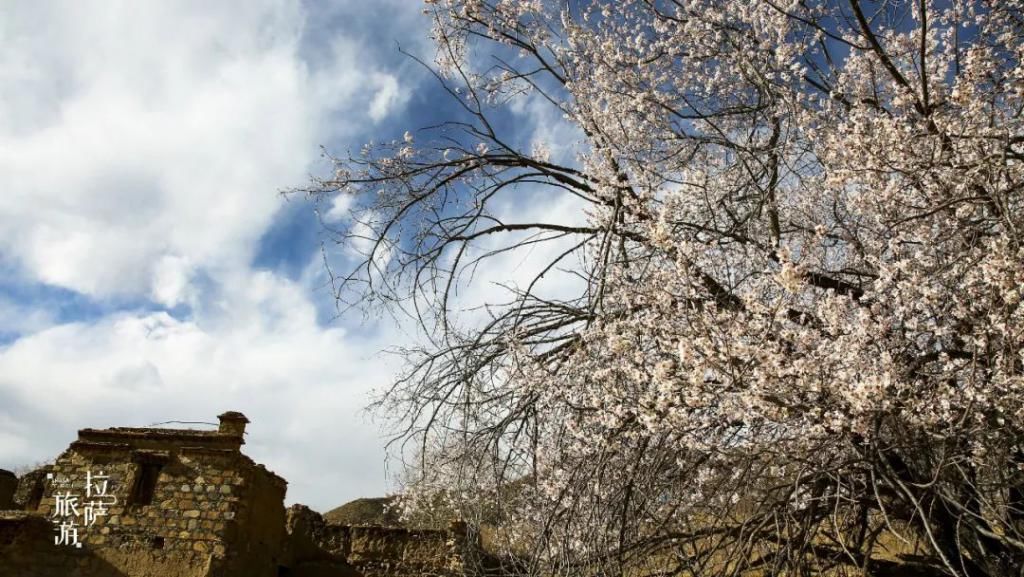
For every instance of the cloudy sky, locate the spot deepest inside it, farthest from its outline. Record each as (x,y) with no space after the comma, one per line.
(150,270)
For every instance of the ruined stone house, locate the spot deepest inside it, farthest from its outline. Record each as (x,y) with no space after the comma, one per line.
(189,503)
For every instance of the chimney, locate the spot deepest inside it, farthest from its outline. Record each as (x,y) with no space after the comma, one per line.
(232,423)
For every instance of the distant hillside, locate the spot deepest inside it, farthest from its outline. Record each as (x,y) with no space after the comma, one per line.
(367,511)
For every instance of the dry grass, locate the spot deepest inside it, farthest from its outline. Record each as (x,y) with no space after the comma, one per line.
(366,511)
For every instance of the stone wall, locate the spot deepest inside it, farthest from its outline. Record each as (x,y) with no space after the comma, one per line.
(312,547)
(374,551)
(179,504)
(27,550)
(186,503)
(184,521)
(385,550)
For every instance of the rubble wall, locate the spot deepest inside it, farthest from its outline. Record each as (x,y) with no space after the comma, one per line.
(186,521)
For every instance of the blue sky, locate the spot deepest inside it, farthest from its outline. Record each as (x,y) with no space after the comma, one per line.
(150,269)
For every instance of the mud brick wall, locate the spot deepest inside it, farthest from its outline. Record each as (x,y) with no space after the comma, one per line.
(258,546)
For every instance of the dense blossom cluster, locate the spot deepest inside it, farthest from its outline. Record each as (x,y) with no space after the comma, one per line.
(801,329)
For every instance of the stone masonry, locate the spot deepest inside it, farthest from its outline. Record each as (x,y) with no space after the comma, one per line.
(189,503)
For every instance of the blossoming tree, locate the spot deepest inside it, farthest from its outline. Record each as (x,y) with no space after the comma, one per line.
(796,346)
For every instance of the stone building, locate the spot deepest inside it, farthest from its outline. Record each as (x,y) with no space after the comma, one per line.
(149,502)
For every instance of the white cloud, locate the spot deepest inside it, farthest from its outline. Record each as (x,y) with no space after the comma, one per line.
(340,207)
(516,269)
(171,282)
(163,130)
(302,385)
(142,146)
(387,96)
